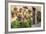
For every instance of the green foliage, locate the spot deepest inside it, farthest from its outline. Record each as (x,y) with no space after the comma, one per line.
(15,24)
(24,24)
(19,24)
